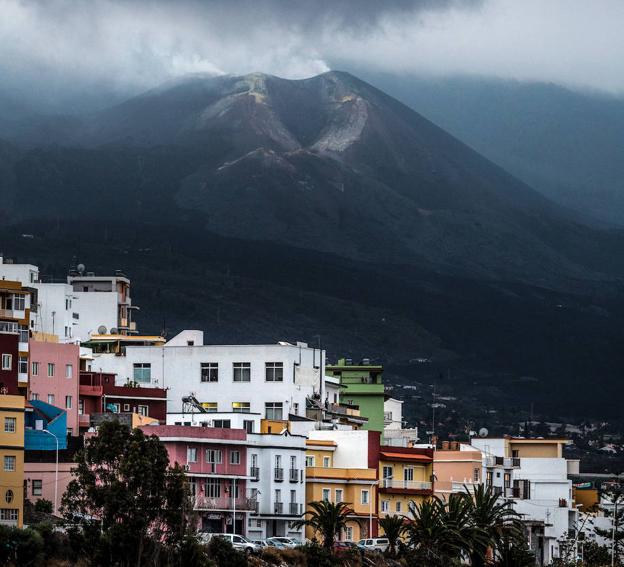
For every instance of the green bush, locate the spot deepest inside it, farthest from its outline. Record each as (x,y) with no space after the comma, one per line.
(222,552)
(43,506)
(20,547)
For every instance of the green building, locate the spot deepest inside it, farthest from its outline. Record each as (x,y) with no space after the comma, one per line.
(362,385)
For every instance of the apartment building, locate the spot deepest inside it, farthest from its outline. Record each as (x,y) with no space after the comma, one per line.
(99,393)
(457,467)
(394,433)
(15,315)
(362,385)
(342,466)
(533,474)
(54,378)
(406,476)
(277,482)
(272,380)
(12,460)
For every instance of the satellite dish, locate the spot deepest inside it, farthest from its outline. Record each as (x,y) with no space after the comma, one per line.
(81,268)
(101,330)
(483,432)
(114,331)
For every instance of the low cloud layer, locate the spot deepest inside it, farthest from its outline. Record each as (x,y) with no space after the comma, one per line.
(129,45)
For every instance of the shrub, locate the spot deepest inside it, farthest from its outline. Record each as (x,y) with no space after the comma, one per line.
(20,547)
(223,553)
(43,506)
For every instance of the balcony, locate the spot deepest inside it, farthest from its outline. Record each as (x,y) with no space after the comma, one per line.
(278,508)
(294,475)
(295,509)
(278,474)
(398,484)
(254,472)
(225,503)
(84,420)
(18,314)
(505,462)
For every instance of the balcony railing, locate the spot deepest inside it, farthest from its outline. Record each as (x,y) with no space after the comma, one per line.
(506,462)
(278,507)
(295,509)
(278,474)
(294,475)
(225,503)
(406,484)
(254,472)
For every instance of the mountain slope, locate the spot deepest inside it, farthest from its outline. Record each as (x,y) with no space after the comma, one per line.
(328,163)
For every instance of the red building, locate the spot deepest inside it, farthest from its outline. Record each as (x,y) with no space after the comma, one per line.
(99,394)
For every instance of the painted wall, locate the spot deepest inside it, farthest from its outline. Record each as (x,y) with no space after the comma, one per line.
(456,467)
(8,378)
(46,474)
(64,389)
(12,444)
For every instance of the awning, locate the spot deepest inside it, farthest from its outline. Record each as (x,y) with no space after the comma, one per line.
(405,457)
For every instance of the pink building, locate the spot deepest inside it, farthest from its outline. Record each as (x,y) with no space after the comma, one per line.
(456,467)
(216,465)
(53,377)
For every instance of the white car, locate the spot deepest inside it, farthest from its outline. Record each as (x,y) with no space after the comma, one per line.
(239,542)
(376,543)
(283,542)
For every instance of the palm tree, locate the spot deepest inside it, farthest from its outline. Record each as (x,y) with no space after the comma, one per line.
(496,519)
(394,527)
(435,542)
(458,518)
(327,519)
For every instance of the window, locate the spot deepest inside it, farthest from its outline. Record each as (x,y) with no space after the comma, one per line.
(248,425)
(278,495)
(278,461)
(364,497)
(385,505)
(507,480)
(241,407)
(408,474)
(475,475)
(214,456)
(126,407)
(293,462)
(326,462)
(274,410)
(488,478)
(210,407)
(191,454)
(339,495)
(69,371)
(293,496)
(51,369)
(242,371)
(8,496)
(213,488)
(8,514)
(19,302)
(235,457)
(10,424)
(209,371)
(80,407)
(68,402)
(143,410)
(115,407)
(274,371)
(295,408)
(37,487)
(24,334)
(35,369)
(326,494)
(398,506)
(7,362)
(309,461)
(349,533)
(9,463)
(387,472)
(51,399)
(34,396)
(142,372)
(222,423)
(22,365)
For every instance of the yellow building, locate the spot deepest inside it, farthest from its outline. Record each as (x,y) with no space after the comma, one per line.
(353,486)
(406,476)
(11,460)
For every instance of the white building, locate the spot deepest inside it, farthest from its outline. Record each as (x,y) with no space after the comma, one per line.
(277,468)
(533,474)
(394,434)
(73,311)
(271,380)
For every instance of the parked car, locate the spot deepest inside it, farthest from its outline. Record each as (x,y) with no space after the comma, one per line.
(261,543)
(283,542)
(345,548)
(374,544)
(239,542)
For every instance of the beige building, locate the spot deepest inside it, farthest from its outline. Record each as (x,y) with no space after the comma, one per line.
(12,460)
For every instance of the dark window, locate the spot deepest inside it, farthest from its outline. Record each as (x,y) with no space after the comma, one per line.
(274,371)
(209,371)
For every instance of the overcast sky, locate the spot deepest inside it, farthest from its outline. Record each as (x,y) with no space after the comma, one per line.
(130,45)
